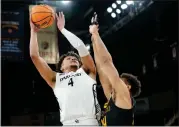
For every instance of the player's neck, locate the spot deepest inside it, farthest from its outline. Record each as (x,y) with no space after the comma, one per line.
(70,69)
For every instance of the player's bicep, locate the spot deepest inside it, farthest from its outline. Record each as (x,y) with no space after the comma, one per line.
(110,72)
(88,65)
(45,71)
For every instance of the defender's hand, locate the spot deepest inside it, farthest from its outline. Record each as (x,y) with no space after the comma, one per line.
(93,29)
(60,20)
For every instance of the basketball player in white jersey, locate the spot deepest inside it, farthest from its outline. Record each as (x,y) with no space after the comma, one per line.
(75,86)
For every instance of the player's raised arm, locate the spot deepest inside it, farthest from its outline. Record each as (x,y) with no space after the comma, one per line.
(87,61)
(43,68)
(107,68)
(107,87)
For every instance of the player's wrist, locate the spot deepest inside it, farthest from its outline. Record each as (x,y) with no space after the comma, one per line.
(33,31)
(94,34)
(62,29)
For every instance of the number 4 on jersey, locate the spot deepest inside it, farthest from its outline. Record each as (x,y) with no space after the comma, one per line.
(70,82)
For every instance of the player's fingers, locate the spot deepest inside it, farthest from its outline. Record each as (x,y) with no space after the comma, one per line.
(95,17)
(30,16)
(92,19)
(63,17)
(56,16)
(61,14)
(59,17)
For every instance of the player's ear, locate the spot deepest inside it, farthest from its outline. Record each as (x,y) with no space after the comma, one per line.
(61,67)
(129,86)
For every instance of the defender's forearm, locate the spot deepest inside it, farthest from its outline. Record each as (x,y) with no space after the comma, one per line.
(34,48)
(101,52)
(95,55)
(107,87)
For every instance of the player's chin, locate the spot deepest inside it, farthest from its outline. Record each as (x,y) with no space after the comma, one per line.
(74,65)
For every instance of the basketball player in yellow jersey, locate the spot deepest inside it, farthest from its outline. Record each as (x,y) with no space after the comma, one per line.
(75,87)
(118,90)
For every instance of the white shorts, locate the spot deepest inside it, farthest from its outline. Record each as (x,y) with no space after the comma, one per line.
(82,121)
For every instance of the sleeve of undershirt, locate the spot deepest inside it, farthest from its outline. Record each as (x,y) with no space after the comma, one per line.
(75,42)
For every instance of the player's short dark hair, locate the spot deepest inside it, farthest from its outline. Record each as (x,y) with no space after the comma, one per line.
(134,83)
(70,53)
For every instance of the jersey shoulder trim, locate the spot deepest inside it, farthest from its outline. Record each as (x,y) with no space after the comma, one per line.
(61,74)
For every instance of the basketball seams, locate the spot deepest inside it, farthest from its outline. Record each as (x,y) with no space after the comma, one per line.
(41,12)
(46,8)
(43,20)
(50,20)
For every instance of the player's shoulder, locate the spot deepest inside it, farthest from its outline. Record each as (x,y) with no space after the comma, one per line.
(60,74)
(80,69)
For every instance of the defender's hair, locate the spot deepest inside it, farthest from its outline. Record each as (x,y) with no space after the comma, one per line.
(134,82)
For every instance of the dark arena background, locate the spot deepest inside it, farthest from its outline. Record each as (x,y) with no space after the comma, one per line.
(142,40)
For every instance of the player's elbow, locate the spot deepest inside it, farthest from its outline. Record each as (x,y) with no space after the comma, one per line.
(34,56)
(107,60)
(104,62)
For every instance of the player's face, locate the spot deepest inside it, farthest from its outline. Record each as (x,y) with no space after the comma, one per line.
(70,61)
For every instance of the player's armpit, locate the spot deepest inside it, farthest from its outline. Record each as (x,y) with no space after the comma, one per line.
(123,99)
(107,87)
(45,71)
(89,66)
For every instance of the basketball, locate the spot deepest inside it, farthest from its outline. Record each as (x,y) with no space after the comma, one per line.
(42,16)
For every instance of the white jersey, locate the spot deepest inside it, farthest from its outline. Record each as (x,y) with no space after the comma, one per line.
(76,95)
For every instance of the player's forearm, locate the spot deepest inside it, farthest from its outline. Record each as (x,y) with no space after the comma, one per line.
(76,42)
(95,55)
(34,48)
(101,52)
(107,87)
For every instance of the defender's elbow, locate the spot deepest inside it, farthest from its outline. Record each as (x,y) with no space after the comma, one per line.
(107,60)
